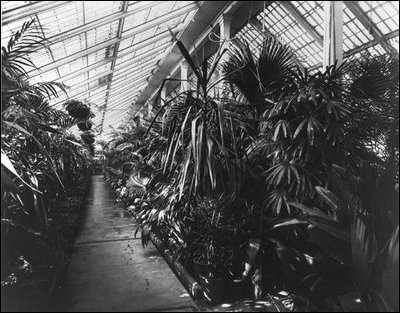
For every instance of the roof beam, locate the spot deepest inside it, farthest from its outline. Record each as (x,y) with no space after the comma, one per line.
(121,101)
(361,48)
(53,65)
(125,52)
(202,23)
(124,8)
(82,71)
(366,21)
(91,80)
(302,21)
(134,31)
(333,33)
(123,88)
(98,23)
(123,78)
(120,88)
(29,10)
(83,93)
(143,56)
(132,86)
(134,59)
(123,104)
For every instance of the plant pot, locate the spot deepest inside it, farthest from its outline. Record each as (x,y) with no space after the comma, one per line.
(79,113)
(214,288)
(84,124)
(238,289)
(77,109)
(202,269)
(89,140)
(88,137)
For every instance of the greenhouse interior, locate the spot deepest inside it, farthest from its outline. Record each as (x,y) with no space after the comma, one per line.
(209,156)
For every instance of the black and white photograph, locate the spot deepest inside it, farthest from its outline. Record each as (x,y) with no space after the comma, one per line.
(199,156)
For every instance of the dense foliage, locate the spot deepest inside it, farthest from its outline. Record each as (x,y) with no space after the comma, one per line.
(289,178)
(44,170)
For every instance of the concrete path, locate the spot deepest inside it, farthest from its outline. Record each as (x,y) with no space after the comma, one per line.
(110,270)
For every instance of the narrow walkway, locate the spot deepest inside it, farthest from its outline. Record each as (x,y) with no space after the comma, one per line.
(110,270)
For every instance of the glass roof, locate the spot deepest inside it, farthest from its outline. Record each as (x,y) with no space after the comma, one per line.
(104,51)
(291,22)
(107,51)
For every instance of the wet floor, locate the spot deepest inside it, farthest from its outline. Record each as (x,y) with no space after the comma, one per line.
(110,270)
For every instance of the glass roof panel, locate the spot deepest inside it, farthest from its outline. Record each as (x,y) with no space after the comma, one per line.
(107,51)
(8,5)
(288,30)
(62,19)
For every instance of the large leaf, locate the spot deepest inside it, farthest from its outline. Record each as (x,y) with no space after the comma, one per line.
(335,229)
(43,149)
(390,276)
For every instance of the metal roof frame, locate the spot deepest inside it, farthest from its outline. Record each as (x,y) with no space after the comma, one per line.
(119,60)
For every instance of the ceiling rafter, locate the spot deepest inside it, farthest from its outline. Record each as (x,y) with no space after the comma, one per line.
(366,21)
(302,21)
(136,30)
(85,92)
(92,79)
(122,88)
(361,48)
(123,52)
(122,78)
(124,100)
(19,13)
(120,30)
(171,62)
(99,22)
(141,57)
(81,71)
(131,86)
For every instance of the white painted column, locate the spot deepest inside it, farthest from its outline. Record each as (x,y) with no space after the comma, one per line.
(225,36)
(163,95)
(184,76)
(333,33)
(225,30)
(149,108)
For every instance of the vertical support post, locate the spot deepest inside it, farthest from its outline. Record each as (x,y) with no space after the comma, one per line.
(184,76)
(149,108)
(163,95)
(333,35)
(225,36)
(225,30)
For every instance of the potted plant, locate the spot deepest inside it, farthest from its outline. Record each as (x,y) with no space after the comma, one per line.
(210,268)
(88,136)
(209,244)
(77,109)
(84,124)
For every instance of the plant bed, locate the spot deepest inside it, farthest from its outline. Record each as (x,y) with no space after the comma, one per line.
(191,285)
(32,283)
(215,288)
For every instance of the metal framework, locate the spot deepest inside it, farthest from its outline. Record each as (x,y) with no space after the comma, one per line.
(116,53)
